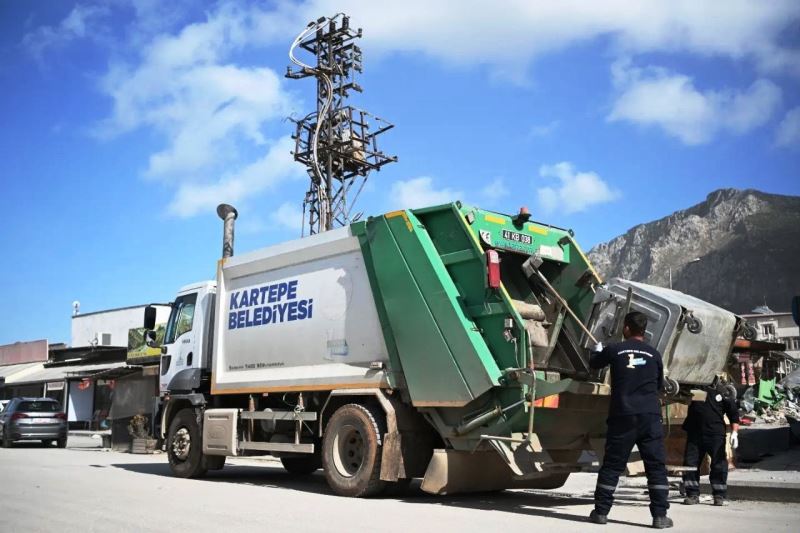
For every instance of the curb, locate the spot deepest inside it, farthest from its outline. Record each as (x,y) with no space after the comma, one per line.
(763,491)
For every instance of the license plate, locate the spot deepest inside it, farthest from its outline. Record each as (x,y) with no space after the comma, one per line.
(44,420)
(517,237)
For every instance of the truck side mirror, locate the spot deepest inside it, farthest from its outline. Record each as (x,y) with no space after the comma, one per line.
(149,317)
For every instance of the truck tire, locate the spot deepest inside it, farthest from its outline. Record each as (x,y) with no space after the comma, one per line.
(351,451)
(185,447)
(302,465)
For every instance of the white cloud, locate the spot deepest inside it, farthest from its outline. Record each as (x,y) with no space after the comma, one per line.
(495,190)
(575,191)
(508,35)
(264,174)
(290,216)
(788,133)
(420,192)
(658,97)
(544,130)
(210,113)
(82,22)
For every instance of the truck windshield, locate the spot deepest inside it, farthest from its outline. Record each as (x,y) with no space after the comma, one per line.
(181,318)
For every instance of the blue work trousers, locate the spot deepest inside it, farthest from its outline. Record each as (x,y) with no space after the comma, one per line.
(697,446)
(646,432)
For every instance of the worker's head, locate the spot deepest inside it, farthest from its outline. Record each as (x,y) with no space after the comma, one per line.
(635,325)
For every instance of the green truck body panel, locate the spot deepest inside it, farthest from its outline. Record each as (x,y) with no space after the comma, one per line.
(443,326)
(445,360)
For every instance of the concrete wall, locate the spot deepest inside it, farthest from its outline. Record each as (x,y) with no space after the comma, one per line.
(89,328)
(23,352)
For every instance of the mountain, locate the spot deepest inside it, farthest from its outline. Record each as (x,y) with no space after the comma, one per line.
(747,242)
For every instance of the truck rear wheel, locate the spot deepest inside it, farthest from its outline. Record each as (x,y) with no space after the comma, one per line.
(185,447)
(351,451)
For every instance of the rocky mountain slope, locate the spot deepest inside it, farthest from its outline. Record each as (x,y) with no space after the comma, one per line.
(747,242)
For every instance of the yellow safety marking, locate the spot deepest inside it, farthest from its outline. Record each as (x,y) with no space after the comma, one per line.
(471,233)
(537,229)
(505,294)
(586,260)
(403,214)
(494,219)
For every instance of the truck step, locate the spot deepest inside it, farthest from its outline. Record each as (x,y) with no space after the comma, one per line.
(278,415)
(277,447)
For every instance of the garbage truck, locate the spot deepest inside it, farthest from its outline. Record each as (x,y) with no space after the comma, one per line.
(449,343)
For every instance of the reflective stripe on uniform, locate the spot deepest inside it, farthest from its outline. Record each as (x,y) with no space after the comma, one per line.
(658,487)
(611,488)
(691,483)
(717,486)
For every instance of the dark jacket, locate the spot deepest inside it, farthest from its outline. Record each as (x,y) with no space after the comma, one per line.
(706,418)
(637,373)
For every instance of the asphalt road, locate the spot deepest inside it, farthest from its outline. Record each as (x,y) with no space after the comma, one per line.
(85,489)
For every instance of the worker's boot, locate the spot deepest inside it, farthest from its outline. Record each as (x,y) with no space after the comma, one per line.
(662,522)
(691,500)
(597,518)
(720,501)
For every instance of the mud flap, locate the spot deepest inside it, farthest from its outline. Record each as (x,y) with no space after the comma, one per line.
(453,471)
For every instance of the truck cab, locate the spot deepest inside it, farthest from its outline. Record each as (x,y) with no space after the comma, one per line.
(185,352)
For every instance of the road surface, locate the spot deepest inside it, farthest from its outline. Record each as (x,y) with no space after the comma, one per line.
(85,489)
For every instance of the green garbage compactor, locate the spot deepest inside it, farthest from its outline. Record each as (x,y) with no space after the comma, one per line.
(482,315)
(449,343)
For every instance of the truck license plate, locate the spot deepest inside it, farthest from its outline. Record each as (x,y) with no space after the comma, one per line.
(517,237)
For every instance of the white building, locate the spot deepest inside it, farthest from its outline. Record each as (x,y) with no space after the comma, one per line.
(776,327)
(110,327)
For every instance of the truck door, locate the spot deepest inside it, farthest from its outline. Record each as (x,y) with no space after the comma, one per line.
(179,340)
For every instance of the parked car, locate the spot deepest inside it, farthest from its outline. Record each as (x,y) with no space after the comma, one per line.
(33,419)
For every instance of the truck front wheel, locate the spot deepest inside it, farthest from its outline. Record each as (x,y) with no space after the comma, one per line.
(351,451)
(185,447)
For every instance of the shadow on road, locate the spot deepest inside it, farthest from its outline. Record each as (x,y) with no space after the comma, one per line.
(539,503)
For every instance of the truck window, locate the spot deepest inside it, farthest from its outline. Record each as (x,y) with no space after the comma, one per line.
(181,318)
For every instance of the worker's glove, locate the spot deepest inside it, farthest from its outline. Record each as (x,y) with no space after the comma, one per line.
(734,440)
(598,347)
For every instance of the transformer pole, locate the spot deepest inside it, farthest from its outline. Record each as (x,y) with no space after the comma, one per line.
(336,142)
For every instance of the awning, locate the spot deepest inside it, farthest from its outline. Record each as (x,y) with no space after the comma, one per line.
(59,373)
(7,371)
(113,373)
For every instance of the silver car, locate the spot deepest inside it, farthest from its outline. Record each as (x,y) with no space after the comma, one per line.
(33,419)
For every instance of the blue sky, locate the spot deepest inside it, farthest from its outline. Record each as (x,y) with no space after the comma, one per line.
(126,121)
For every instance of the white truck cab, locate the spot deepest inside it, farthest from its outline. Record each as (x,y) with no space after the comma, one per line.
(188,338)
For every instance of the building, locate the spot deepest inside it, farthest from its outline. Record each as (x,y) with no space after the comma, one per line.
(776,327)
(106,377)
(112,326)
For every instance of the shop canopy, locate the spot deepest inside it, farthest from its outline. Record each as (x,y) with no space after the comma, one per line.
(59,373)
(7,371)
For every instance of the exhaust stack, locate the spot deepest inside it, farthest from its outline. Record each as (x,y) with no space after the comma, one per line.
(228,214)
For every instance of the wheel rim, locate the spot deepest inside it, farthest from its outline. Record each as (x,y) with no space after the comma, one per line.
(181,444)
(348,445)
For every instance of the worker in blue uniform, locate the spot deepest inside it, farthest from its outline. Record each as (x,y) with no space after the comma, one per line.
(705,434)
(634,417)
